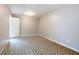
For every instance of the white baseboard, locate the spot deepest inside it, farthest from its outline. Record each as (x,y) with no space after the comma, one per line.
(14,37)
(60,43)
(29,35)
(25,35)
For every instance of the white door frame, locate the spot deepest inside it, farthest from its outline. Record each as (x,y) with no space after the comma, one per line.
(19,26)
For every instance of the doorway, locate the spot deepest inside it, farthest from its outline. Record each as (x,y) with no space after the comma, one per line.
(14,27)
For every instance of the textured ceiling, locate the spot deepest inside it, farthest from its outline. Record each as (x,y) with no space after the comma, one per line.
(39,9)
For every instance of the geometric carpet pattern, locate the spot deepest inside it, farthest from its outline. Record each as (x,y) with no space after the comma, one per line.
(35,45)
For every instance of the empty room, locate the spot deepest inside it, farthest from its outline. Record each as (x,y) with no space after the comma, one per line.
(39,29)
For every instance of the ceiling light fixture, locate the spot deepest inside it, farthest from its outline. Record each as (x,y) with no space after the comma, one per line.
(29,13)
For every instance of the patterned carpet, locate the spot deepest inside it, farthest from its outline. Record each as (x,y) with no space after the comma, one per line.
(35,45)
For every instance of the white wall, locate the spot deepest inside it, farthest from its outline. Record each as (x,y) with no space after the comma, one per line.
(28,26)
(4,26)
(62,26)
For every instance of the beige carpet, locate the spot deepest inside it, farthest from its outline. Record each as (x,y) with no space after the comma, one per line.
(35,45)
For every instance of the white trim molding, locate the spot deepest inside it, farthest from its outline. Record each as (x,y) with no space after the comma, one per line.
(29,35)
(60,43)
(25,36)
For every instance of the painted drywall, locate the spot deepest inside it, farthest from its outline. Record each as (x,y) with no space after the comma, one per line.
(28,25)
(62,26)
(4,26)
